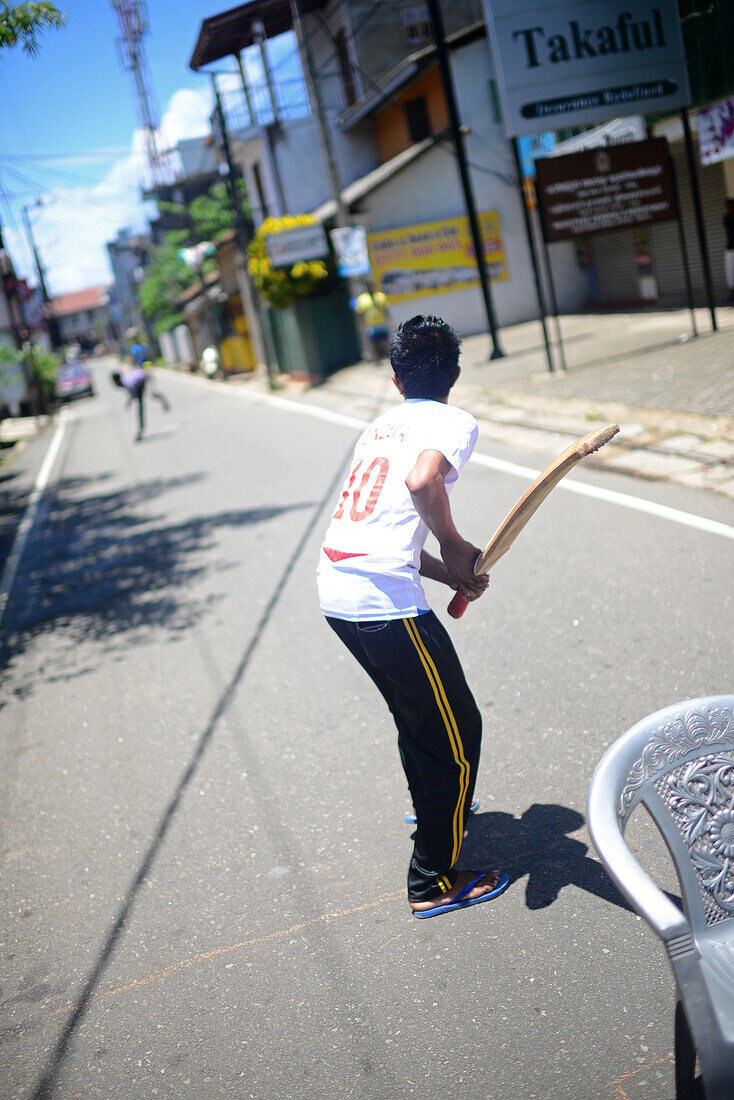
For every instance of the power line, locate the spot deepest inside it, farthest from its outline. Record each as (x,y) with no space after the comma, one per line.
(392,100)
(73,175)
(62,197)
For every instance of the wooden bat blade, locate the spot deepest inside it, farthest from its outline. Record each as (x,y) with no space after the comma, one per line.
(531,500)
(536,493)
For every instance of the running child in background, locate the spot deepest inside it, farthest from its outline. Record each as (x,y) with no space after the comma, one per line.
(369,580)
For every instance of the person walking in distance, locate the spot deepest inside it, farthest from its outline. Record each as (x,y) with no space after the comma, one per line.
(372,307)
(729,246)
(369,579)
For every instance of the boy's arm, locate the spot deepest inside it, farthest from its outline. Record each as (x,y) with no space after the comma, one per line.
(425,483)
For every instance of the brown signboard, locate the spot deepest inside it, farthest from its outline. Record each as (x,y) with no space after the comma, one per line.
(612,187)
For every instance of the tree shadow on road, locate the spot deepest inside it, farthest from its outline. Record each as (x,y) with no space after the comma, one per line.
(46,1086)
(537,845)
(109,566)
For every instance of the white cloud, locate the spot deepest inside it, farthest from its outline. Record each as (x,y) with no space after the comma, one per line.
(71,233)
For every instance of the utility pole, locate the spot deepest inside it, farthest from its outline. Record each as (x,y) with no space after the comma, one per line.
(249,297)
(317,106)
(54,331)
(439,35)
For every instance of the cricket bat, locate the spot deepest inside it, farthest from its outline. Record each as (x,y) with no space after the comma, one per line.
(529,503)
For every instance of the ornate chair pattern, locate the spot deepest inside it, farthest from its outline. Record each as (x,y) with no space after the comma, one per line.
(679,763)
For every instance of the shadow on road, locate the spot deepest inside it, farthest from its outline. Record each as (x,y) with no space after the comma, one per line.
(107,566)
(199,531)
(537,845)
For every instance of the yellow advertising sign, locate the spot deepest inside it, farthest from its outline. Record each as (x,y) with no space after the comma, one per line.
(416,260)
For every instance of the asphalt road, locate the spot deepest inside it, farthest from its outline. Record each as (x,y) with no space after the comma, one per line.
(203,844)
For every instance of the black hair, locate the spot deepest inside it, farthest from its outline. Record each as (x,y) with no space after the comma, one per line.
(424,354)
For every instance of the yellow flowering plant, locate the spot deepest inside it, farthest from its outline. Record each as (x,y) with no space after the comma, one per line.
(280,286)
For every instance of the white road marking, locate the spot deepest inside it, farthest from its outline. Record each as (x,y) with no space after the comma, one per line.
(609,496)
(624,500)
(26,524)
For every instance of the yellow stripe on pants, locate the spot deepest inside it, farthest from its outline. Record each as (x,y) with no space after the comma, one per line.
(451,728)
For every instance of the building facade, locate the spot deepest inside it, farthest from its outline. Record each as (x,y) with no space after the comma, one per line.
(84,316)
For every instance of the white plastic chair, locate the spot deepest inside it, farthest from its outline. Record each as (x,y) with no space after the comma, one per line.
(679,763)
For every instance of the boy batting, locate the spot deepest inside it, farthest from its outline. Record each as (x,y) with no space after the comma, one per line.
(369,578)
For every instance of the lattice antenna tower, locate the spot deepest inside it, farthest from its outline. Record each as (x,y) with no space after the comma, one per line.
(132,16)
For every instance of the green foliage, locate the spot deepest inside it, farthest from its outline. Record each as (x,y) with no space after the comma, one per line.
(10,354)
(25,22)
(44,368)
(211,214)
(166,277)
(280,286)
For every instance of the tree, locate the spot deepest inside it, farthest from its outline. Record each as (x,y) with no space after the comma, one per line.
(167,276)
(211,214)
(25,22)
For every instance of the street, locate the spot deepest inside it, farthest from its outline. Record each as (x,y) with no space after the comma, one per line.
(204,847)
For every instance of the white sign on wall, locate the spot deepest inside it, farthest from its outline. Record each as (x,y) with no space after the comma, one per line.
(574,63)
(350,246)
(305,242)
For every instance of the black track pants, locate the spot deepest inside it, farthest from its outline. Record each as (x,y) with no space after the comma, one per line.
(416,668)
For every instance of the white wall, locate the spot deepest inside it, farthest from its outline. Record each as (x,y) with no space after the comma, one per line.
(430,189)
(302,166)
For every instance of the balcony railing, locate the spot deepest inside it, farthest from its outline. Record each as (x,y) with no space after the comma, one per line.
(291,99)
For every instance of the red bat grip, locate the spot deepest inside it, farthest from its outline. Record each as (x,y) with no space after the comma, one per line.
(458,605)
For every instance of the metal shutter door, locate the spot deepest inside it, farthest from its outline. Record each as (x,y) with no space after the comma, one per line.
(613,257)
(665,249)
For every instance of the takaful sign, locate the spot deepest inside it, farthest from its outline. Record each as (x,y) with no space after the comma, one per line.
(608,188)
(571,64)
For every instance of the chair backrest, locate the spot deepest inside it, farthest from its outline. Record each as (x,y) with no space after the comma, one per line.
(679,763)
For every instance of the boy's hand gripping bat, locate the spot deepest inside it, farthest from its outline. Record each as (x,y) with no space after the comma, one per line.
(529,502)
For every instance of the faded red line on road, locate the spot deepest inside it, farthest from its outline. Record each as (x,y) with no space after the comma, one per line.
(184,963)
(632,1073)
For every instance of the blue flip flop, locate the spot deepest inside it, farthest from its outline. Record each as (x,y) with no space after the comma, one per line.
(458,903)
(411,819)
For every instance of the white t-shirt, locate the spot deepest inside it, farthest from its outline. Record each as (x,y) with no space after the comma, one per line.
(368,565)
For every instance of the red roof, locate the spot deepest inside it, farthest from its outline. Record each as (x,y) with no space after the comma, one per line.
(79,300)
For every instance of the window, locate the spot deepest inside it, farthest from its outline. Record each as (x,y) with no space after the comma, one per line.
(419,125)
(342,53)
(417,23)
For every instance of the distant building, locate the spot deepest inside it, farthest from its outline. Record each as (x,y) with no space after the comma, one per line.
(129,255)
(84,316)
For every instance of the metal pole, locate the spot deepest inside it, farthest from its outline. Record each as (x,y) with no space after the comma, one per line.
(241,238)
(533,257)
(314,96)
(258,30)
(683,249)
(448,88)
(268,132)
(343,217)
(53,324)
(554,301)
(699,219)
(245,88)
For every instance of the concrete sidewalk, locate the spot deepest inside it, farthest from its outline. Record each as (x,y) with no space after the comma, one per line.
(672,393)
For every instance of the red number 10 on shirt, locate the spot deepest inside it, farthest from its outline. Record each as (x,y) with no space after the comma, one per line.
(375,472)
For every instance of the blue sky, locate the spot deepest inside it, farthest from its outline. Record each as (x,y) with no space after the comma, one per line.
(69,123)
